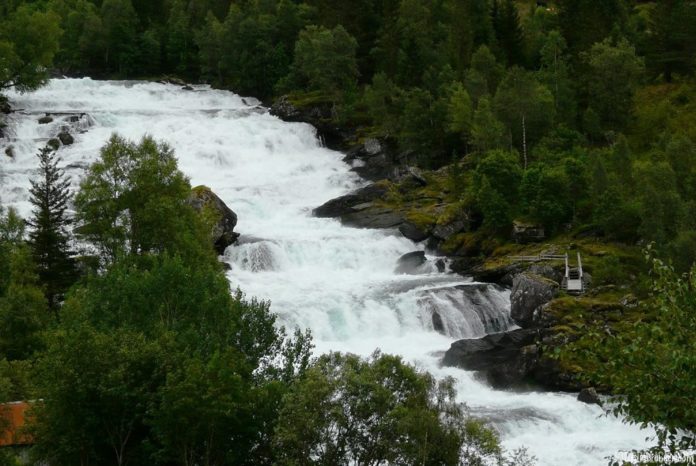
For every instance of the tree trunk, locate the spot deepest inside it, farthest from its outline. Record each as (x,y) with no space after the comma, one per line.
(524,141)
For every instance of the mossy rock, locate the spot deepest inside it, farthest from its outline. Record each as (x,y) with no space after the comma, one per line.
(217,215)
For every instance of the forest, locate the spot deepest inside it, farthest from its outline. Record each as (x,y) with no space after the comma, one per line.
(576,115)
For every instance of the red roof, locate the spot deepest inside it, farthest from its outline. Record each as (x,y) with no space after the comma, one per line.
(13,418)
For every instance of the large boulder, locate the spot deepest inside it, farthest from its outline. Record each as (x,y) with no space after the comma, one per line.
(360,209)
(445,231)
(66,138)
(413,232)
(551,374)
(370,215)
(319,113)
(529,294)
(223,219)
(505,359)
(372,159)
(410,263)
(350,203)
(590,396)
(5,107)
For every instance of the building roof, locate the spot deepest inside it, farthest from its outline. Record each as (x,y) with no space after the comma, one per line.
(12,421)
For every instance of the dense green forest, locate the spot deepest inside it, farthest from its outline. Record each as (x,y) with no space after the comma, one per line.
(577,115)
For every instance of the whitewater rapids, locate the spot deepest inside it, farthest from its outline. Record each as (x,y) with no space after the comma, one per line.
(337,281)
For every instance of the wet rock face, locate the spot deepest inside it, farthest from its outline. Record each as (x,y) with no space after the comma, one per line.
(5,107)
(438,324)
(529,293)
(321,115)
(282,108)
(44,120)
(207,203)
(446,231)
(505,359)
(414,232)
(66,138)
(372,159)
(512,359)
(358,209)
(589,395)
(409,263)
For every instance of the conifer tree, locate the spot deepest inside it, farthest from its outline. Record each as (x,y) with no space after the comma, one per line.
(48,237)
(508,31)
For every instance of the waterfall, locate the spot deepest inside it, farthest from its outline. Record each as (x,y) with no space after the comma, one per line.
(337,281)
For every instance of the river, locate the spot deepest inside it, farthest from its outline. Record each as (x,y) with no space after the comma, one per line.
(337,281)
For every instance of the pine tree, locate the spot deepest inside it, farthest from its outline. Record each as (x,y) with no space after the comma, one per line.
(508,31)
(49,238)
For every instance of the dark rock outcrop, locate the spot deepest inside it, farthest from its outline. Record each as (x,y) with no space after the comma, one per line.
(529,293)
(5,107)
(9,151)
(409,178)
(172,80)
(359,209)
(438,324)
(589,395)
(410,262)
(372,216)
(445,231)
(475,268)
(285,110)
(549,373)
(44,120)
(414,232)
(66,138)
(348,203)
(321,115)
(512,359)
(505,359)
(372,159)
(547,271)
(206,202)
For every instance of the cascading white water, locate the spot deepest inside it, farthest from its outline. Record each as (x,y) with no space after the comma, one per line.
(337,281)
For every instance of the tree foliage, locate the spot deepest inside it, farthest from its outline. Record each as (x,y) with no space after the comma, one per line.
(29,39)
(659,352)
(379,411)
(133,200)
(49,238)
(325,59)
